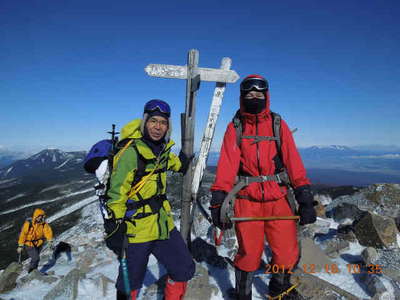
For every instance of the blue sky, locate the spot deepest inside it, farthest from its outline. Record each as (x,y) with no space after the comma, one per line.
(68,69)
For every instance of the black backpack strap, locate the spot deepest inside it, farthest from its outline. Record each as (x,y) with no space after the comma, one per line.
(141,169)
(276,128)
(276,120)
(237,123)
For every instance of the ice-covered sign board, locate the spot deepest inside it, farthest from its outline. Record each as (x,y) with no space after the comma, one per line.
(180,72)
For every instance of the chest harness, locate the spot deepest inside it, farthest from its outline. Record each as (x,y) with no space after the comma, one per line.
(141,178)
(243,179)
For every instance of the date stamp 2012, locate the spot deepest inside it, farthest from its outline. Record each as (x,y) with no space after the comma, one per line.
(328,268)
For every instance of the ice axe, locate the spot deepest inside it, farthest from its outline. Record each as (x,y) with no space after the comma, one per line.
(273,218)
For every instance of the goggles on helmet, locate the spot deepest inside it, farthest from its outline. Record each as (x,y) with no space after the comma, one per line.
(161,106)
(254,83)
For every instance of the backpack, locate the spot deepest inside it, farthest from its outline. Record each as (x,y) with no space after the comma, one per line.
(100,151)
(276,128)
(29,220)
(102,158)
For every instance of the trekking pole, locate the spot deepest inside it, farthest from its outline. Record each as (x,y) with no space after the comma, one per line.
(114,134)
(265,218)
(19,258)
(125,272)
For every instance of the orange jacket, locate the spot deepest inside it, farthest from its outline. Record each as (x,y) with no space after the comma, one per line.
(33,234)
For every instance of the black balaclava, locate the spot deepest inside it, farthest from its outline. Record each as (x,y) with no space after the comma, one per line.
(254,105)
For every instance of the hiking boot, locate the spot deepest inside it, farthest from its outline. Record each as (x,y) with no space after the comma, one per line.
(244,281)
(31,269)
(292,295)
(280,288)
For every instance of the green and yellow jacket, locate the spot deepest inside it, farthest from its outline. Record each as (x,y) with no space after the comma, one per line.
(148,212)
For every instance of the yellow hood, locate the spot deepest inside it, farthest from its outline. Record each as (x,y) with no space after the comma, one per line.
(38,212)
(131,130)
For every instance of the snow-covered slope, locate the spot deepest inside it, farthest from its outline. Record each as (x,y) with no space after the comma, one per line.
(98,267)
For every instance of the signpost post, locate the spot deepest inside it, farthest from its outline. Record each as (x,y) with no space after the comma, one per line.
(193,75)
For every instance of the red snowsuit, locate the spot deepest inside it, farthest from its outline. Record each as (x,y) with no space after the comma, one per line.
(261,199)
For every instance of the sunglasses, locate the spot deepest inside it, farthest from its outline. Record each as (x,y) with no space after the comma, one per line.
(257,84)
(162,107)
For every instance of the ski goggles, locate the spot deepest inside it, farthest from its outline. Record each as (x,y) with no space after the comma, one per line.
(155,105)
(40,218)
(254,83)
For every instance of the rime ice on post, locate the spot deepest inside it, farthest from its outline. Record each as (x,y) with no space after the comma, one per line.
(193,75)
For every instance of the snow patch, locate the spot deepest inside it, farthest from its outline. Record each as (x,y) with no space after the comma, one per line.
(5,227)
(63,164)
(52,188)
(398,240)
(45,201)
(334,225)
(7,180)
(345,279)
(72,208)
(8,171)
(15,197)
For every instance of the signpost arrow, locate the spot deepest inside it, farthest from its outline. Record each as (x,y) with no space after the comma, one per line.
(180,72)
(193,75)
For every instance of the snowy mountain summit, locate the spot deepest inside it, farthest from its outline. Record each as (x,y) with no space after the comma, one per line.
(334,147)
(46,160)
(351,252)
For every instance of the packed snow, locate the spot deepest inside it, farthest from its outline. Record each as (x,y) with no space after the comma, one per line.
(87,236)
(45,201)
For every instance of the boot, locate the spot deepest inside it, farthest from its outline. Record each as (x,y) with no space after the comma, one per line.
(280,288)
(123,296)
(244,282)
(174,290)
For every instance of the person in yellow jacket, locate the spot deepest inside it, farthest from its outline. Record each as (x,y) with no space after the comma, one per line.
(142,222)
(33,235)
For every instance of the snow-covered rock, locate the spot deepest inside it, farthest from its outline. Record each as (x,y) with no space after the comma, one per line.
(376,231)
(9,276)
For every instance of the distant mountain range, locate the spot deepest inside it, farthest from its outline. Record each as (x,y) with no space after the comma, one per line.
(7,157)
(48,162)
(342,165)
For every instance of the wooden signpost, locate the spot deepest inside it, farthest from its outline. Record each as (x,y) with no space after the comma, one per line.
(193,75)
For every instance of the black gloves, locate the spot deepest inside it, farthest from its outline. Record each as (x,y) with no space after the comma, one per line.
(185,161)
(306,205)
(215,208)
(115,234)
